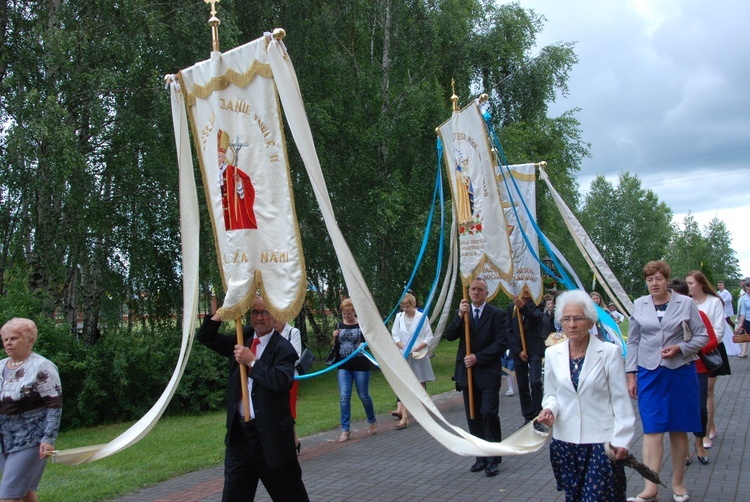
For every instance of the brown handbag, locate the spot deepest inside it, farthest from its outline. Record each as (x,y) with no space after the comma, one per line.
(742,337)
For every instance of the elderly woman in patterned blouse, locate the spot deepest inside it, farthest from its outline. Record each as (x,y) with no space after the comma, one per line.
(586,398)
(30,411)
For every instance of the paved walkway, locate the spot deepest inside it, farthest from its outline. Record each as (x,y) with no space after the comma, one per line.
(407,465)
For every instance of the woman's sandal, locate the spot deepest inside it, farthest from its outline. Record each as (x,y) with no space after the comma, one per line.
(344,436)
(395,414)
(402,424)
(638,498)
(372,428)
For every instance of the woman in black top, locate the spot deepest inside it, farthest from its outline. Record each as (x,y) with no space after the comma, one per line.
(348,336)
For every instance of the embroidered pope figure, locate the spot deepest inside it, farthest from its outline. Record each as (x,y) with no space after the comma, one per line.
(237,192)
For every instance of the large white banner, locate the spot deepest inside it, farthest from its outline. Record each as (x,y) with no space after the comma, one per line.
(517,204)
(238,135)
(482,228)
(393,366)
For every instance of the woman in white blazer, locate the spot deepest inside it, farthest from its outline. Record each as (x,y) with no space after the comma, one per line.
(586,398)
(403,330)
(661,373)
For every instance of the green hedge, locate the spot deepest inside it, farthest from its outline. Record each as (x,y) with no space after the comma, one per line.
(121,376)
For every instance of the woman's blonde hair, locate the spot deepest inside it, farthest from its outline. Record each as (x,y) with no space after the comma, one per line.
(409,300)
(347,304)
(26,327)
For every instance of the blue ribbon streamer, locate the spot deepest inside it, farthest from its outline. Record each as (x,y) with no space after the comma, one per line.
(437,193)
(563,277)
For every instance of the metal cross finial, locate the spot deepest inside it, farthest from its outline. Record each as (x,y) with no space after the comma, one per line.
(213,5)
(237,145)
(214,24)
(454,98)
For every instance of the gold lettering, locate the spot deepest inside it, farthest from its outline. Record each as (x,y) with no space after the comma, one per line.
(205,133)
(274,256)
(238,106)
(238,257)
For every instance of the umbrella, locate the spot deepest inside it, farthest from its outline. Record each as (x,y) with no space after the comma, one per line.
(540,429)
(634,463)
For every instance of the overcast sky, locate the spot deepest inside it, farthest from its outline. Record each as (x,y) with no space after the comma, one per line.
(664,92)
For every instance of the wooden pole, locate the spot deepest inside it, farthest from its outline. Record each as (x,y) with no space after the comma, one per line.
(243,370)
(517,313)
(469,377)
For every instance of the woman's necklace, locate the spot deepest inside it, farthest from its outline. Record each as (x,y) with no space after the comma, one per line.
(19,363)
(576,361)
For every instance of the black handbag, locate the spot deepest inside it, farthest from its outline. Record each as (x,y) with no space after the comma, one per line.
(331,357)
(712,361)
(333,354)
(305,361)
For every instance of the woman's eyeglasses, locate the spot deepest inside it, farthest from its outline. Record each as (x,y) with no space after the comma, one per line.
(576,319)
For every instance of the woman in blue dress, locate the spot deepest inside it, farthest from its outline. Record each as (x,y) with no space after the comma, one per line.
(666,333)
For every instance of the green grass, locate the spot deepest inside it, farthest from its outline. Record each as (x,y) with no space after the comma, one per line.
(178,445)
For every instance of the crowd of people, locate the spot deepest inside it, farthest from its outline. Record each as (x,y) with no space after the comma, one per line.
(555,356)
(587,385)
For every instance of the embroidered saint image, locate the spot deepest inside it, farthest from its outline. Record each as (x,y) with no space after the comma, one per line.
(237,192)
(464,189)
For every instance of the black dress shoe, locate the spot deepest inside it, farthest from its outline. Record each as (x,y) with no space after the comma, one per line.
(479,465)
(491,470)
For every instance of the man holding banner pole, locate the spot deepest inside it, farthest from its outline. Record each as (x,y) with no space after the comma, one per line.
(260,446)
(477,370)
(526,343)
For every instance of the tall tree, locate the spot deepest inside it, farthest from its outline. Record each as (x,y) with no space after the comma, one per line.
(629,225)
(85,148)
(88,211)
(687,248)
(709,249)
(720,254)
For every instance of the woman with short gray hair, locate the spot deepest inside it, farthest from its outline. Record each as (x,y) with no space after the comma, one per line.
(586,398)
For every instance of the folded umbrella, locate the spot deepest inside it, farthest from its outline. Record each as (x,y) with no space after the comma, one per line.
(632,462)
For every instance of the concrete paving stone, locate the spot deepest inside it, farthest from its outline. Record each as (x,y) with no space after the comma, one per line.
(407,465)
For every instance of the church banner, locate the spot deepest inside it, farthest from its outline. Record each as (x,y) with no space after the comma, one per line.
(517,185)
(238,135)
(484,245)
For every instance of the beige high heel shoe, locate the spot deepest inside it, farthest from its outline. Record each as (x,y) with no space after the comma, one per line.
(402,424)
(344,436)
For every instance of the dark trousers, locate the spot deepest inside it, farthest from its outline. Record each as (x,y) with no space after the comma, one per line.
(486,422)
(703,392)
(245,464)
(530,386)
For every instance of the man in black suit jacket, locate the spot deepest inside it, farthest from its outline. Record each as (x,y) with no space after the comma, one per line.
(487,331)
(263,447)
(528,363)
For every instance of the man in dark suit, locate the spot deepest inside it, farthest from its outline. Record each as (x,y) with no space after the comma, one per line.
(528,362)
(487,331)
(263,447)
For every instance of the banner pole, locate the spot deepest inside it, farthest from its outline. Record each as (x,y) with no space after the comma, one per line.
(243,370)
(517,313)
(214,23)
(468,351)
